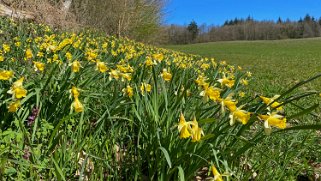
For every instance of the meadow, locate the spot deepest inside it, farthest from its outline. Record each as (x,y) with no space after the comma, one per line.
(85,106)
(277,65)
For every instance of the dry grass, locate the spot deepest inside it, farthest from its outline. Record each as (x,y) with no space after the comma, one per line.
(46,12)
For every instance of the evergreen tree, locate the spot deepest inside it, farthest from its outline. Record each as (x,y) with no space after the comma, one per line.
(192,28)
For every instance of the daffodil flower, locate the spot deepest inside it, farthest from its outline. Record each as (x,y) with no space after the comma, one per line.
(201,81)
(14,106)
(229,103)
(159,57)
(114,74)
(244,82)
(239,115)
(128,91)
(101,67)
(149,62)
(212,93)
(28,54)
(273,119)
(75,66)
(6,74)
(74,92)
(166,75)
(17,89)
(126,76)
(183,127)
(77,105)
(69,56)
(38,66)
(217,175)
(268,101)
(145,88)
(196,131)
(226,81)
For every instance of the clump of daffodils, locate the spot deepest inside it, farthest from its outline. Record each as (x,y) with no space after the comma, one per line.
(189,129)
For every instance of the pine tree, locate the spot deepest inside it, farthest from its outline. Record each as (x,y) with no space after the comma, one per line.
(192,28)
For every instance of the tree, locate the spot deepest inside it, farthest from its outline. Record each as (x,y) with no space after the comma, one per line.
(193,30)
(279,21)
(136,19)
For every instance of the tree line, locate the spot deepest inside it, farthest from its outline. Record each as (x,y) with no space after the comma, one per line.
(243,29)
(135,19)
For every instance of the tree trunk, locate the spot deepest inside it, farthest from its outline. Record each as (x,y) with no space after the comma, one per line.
(14,13)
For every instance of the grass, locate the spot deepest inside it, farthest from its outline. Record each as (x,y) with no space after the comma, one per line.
(275,64)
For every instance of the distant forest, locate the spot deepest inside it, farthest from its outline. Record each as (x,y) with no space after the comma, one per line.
(243,29)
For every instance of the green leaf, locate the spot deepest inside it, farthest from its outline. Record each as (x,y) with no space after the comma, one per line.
(305,111)
(207,121)
(181,173)
(166,156)
(58,169)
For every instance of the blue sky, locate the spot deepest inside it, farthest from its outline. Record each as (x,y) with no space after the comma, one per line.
(215,12)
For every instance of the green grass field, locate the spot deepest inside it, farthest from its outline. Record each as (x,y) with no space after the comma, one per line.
(275,64)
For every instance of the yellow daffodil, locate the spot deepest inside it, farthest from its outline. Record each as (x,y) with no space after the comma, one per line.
(17,89)
(223,62)
(248,74)
(196,131)
(6,48)
(183,127)
(159,57)
(201,81)
(74,92)
(28,54)
(166,75)
(239,115)
(6,74)
(14,106)
(126,76)
(69,56)
(242,94)
(19,82)
(77,105)
(149,62)
(101,67)
(145,88)
(38,66)
(229,103)
(268,101)
(75,66)
(211,92)
(217,175)
(17,44)
(1,58)
(273,119)
(244,82)
(91,55)
(114,74)
(128,91)
(205,66)
(226,82)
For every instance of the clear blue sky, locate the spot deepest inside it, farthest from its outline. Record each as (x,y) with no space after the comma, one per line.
(215,12)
